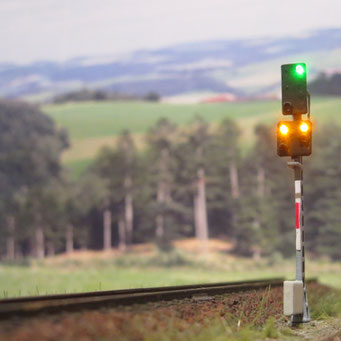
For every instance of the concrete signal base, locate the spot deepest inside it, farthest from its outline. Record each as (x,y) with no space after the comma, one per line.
(293,297)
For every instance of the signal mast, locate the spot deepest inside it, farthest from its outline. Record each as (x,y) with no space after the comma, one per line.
(294,140)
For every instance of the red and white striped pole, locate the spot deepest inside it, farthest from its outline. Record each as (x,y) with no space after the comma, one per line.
(297,165)
(299,214)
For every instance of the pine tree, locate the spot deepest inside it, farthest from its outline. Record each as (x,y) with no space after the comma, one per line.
(323,193)
(160,142)
(120,168)
(128,154)
(264,220)
(193,151)
(223,166)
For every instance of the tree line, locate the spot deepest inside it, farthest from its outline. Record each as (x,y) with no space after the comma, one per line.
(192,181)
(83,95)
(326,85)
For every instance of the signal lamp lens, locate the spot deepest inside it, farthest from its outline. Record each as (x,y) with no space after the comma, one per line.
(283,129)
(304,127)
(299,70)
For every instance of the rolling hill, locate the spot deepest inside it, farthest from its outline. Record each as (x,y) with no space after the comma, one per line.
(246,67)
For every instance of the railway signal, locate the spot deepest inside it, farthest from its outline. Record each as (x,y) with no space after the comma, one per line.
(294,89)
(294,140)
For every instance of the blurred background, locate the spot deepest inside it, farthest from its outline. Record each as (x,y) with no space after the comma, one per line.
(137,143)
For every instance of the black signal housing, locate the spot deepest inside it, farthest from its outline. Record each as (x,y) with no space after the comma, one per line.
(296,139)
(294,89)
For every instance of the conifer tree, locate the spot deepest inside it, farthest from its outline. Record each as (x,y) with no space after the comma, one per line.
(223,166)
(119,167)
(160,140)
(265,199)
(323,193)
(195,151)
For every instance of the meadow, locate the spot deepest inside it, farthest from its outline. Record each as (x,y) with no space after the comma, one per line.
(92,271)
(92,125)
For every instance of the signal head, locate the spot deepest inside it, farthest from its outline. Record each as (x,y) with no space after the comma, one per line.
(294,138)
(294,89)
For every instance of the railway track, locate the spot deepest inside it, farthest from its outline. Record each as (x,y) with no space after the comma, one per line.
(32,306)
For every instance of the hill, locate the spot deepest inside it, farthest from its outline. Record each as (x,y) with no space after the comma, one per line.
(241,67)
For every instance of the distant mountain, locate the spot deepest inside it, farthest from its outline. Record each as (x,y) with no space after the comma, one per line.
(240,67)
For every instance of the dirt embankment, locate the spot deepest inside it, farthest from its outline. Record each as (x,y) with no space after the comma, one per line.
(174,320)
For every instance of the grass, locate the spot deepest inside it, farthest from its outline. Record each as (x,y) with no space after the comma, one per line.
(329,306)
(66,275)
(35,280)
(92,125)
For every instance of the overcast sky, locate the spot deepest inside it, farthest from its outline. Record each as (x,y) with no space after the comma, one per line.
(57,30)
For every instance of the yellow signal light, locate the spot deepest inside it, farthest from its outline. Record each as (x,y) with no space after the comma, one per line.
(283,129)
(304,127)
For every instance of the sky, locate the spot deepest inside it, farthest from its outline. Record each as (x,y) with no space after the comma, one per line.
(58,30)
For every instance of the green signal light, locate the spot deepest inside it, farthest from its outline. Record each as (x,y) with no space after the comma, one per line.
(299,70)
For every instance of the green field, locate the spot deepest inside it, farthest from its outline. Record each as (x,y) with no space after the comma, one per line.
(92,125)
(97,119)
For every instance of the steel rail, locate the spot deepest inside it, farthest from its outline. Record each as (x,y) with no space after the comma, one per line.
(32,306)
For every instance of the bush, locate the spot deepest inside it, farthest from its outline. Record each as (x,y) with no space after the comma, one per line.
(152,97)
(160,259)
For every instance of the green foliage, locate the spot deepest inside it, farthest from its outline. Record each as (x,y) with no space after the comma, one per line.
(164,244)
(82,95)
(81,199)
(30,146)
(328,306)
(115,164)
(30,171)
(42,206)
(173,258)
(161,183)
(323,192)
(270,329)
(77,167)
(286,331)
(152,97)
(265,199)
